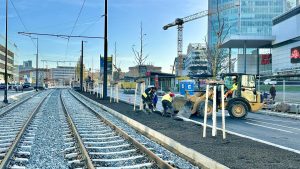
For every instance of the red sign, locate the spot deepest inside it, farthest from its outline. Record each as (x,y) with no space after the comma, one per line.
(266,59)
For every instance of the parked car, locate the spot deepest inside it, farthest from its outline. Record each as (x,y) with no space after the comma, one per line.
(26,85)
(270,82)
(2,86)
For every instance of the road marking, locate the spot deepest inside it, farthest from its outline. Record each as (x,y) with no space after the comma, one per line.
(270,127)
(276,124)
(295,122)
(248,137)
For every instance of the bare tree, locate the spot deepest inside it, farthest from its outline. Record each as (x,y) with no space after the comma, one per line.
(215,54)
(139,58)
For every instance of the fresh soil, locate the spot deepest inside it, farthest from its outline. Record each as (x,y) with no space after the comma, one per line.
(234,152)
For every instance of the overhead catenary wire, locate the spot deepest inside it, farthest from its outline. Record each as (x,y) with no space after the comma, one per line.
(75,25)
(91,24)
(21,20)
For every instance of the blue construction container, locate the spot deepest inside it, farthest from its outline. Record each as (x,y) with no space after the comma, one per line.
(187,85)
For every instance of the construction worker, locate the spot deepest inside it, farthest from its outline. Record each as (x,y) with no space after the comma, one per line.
(232,89)
(147,97)
(155,99)
(167,103)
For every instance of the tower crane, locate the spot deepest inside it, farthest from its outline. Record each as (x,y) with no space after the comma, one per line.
(179,23)
(57,61)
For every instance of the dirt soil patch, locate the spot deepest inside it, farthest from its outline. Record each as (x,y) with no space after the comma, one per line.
(234,152)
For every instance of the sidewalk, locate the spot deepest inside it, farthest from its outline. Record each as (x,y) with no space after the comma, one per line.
(14,96)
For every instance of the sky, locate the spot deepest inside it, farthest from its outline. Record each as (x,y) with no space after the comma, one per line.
(124,19)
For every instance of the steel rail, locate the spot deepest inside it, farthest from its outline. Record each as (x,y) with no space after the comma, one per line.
(160,163)
(83,150)
(18,104)
(14,145)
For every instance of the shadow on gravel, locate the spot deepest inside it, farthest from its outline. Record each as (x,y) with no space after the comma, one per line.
(234,152)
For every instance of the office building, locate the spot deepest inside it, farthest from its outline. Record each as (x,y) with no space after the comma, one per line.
(286,46)
(10,63)
(244,17)
(195,63)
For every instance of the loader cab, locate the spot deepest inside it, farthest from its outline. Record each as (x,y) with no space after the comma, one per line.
(245,82)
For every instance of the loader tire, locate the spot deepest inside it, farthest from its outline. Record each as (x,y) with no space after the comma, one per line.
(237,110)
(201,108)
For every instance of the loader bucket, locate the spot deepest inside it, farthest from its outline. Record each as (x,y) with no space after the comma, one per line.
(185,111)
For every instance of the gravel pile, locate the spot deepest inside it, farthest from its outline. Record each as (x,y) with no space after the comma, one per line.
(105,146)
(156,148)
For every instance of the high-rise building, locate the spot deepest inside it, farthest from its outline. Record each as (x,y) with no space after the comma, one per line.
(195,63)
(244,17)
(10,63)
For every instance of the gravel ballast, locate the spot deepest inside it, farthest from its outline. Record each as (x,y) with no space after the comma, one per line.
(47,150)
(234,152)
(164,154)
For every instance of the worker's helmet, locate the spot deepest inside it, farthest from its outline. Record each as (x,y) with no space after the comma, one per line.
(172,94)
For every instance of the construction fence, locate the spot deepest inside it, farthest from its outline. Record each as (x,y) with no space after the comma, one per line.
(286,91)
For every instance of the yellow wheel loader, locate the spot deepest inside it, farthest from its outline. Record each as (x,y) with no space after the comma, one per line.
(241,101)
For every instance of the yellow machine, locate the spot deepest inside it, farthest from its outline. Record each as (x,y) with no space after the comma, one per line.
(242,100)
(127,85)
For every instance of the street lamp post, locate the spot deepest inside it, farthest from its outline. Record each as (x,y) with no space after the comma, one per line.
(105,52)
(6,51)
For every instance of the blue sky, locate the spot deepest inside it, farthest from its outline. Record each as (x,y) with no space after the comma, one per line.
(58,17)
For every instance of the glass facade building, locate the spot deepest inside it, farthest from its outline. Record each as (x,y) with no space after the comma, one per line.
(243,17)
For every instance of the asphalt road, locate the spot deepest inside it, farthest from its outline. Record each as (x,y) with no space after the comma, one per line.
(276,130)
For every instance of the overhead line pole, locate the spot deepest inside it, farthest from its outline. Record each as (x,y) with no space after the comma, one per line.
(81,67)
(105,53)
(6,51)
(37,64)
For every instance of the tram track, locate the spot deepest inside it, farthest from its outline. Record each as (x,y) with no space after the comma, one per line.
(14,127)
(103,144)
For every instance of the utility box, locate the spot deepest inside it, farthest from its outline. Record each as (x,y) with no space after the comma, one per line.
(187,85)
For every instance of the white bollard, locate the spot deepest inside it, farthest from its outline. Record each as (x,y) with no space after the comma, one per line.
(214,115)
(93,90)
(141,100)
(117,93)
(205,111)
(101,90)
(134,102)
(98,91)
(223,112)
(111,92)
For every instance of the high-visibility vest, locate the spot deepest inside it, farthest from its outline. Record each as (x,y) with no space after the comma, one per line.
(234,87)
(167,97)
